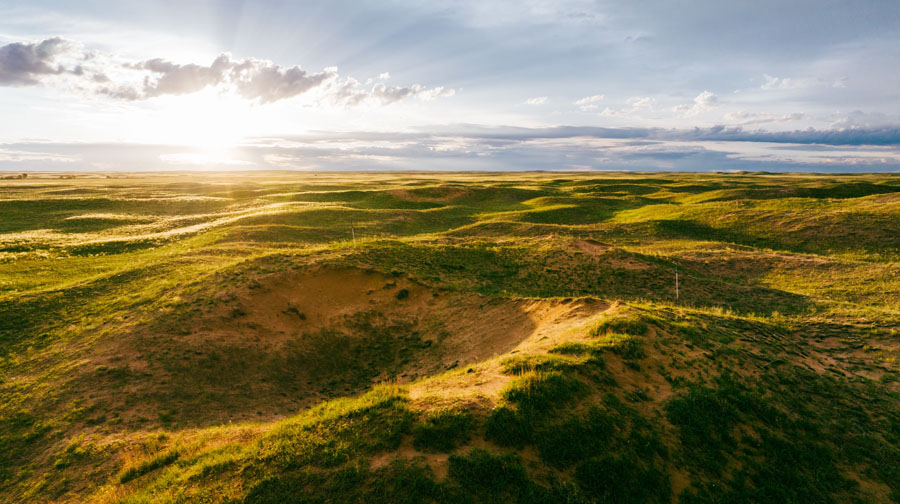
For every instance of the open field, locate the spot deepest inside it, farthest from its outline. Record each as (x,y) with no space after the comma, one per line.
(455,337)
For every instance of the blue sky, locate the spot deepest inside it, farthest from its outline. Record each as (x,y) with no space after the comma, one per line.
(487,85)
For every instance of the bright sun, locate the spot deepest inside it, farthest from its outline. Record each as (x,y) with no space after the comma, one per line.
(209,123)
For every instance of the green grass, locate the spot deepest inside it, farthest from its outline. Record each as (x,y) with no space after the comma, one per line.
(772,377)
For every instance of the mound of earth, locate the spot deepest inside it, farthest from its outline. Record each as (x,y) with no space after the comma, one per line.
(292,339)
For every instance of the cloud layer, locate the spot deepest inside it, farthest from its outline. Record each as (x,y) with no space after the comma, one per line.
(474,147)
(256,80)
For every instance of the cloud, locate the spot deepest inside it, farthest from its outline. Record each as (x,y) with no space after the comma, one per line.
(22,156)
(703,102)
(476,147)
(883,136)
(746,118)
(433,93)
(888,135)
(165,77)
(256,80)
(263,81)
(859,120)
(634,104)
(267,82)
(801,82)
(641,102)
(538,100)
(26,64)
(349,92)
(589,103)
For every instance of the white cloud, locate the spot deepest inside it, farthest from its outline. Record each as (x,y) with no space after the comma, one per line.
(589,103)
(256,80)
(267,82)
(641,102)
(433,93)
(744,118)
(349,92)
(635,104)
(863,120)
(611,112)
(538,100)
(703,102)
(772,83)
(18,156)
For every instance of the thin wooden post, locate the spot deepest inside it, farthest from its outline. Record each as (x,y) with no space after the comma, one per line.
(676,280)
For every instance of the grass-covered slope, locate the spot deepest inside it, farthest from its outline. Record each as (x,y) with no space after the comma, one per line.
(450,338)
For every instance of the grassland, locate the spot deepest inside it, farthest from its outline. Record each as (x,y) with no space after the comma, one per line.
(415,337)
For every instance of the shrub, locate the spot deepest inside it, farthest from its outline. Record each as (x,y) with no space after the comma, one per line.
(506,428)
(536,362)
(629,349)
(572,348)
(613,479)
(634,325)
(536,392)
(486,478)
(563,444)
(442,430)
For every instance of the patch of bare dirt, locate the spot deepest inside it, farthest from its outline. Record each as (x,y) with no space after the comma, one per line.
(554,322)
(439,462)
(592,247)
(612,256)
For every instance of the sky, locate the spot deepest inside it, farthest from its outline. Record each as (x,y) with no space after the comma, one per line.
(762,85)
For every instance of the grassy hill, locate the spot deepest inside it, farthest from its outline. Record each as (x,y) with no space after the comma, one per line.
(457,337)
